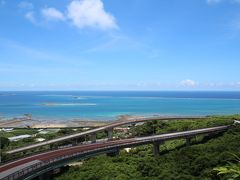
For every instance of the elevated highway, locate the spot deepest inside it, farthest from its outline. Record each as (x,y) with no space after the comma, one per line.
(33,166)
(108,128)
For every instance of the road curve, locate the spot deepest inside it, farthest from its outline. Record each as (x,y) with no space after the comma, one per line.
(103,128)
(48,157)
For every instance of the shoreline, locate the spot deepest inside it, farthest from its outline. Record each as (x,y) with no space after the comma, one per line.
(28,121)
(73,123)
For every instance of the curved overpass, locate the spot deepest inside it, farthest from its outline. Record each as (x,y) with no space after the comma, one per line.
(108,128)
(33,166)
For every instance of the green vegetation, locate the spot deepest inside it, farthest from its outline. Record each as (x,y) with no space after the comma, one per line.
(176,161)
(208,157)
(160,127)
(18,132)
(50,134)
(4,142)
(231,170)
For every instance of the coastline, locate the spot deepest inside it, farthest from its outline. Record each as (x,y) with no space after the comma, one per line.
(74,123)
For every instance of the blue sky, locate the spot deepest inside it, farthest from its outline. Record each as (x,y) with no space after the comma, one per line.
(120,45)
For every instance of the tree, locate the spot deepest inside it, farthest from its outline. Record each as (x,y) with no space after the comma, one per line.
(4,142)
(231,170)
(65,131)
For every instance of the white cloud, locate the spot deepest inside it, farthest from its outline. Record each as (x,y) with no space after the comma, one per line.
(29,13)
(52,14)
(30,16)
(188,83)
(90,13)
(213,1)
(81,13)
(25,5)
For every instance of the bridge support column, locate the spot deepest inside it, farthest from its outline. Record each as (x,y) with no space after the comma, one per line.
(113,153)
(45,176)
(110,134)
(93,137)
(51,146)
(80,140)
(156,148)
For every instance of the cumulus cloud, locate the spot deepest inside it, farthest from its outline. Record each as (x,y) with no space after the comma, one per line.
(52,14)
(90,13)
(30,16)
(188,83)
(25,5)
(80,13)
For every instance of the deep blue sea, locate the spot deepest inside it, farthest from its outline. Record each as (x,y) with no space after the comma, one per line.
(108,105)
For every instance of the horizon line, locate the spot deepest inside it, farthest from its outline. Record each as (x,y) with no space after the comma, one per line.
(126,90)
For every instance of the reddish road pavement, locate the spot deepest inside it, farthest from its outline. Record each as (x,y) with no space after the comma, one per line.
(103,128)
(44,158)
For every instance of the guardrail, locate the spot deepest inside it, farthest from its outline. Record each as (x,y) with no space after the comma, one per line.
(99,129)
(30,169)
(134,142)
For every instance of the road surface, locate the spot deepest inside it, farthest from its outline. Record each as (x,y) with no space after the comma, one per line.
(103,128)
(36,162)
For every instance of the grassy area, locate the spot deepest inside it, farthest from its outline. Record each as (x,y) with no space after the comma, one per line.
(175,162)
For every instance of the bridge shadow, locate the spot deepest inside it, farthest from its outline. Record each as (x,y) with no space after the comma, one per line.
(205,139)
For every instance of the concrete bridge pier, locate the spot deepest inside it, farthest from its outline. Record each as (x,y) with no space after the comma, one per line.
(51,146)
(156,148)
(110,134)
(80,139)
(45,176)
(49,175)
(93,137)
(74,142)
(113,153)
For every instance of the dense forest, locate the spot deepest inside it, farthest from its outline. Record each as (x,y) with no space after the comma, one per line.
(203,159)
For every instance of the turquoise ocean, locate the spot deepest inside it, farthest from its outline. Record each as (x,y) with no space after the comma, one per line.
(108,105)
